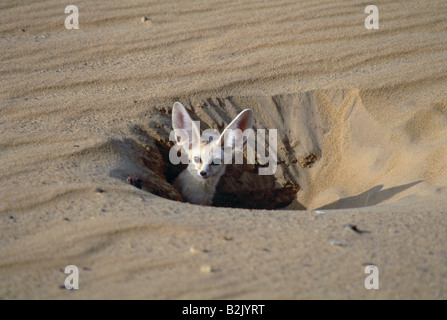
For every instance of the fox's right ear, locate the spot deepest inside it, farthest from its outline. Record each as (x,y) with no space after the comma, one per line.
(187,131)
(233,135)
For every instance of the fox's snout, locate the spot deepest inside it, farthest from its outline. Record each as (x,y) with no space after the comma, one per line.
(205,169)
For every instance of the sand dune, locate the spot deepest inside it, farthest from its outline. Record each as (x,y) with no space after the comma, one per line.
(362,138)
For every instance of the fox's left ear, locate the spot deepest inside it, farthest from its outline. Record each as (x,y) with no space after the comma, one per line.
(187,131)
(233,135)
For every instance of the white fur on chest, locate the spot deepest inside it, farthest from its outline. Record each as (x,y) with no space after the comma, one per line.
(195,189)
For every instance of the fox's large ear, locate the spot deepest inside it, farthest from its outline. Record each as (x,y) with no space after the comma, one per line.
(233,135)
(187,131)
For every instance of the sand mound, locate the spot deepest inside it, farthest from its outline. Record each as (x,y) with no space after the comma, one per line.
(361,119)
(332,153)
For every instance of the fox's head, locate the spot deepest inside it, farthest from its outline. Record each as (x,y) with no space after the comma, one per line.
(206,152)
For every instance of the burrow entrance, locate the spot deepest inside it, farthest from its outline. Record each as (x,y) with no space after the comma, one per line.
(327,147)
(240,187)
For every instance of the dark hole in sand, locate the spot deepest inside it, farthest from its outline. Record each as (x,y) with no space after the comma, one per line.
(317,134)
(240,187)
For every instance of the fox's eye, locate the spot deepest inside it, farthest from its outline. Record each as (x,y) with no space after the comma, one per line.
(196,159)
(214,163)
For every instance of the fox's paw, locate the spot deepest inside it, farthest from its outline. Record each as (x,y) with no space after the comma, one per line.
(135,181)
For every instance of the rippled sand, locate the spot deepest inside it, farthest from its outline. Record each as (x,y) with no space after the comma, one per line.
(362,136)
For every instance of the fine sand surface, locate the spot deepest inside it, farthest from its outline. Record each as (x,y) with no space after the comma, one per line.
(361,119)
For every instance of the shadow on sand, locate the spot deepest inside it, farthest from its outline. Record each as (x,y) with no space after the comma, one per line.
(371,197)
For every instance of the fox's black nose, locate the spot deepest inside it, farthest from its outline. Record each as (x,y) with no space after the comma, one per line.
(202,173)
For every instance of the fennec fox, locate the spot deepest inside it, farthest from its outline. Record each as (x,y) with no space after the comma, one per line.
(197,183)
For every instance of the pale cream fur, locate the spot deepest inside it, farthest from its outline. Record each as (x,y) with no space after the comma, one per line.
(195,189)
